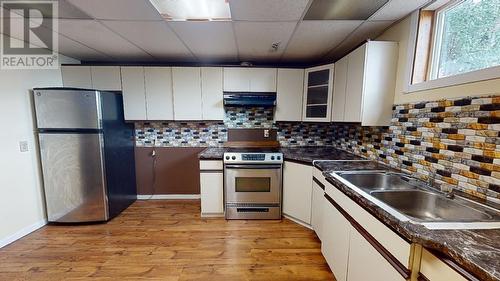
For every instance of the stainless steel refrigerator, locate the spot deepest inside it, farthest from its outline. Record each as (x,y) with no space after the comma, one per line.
(87,154)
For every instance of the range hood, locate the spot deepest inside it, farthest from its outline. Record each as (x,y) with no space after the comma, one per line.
(264,99)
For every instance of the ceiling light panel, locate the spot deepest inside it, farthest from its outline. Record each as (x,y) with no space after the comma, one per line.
(195,10)
(117,9)
(343,9)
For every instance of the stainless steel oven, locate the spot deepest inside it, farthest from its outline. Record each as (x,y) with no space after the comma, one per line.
(253,185)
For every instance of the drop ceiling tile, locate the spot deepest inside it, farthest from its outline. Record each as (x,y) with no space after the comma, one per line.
(155,37)
(78,51)
(314,39)
(367,30)
(118,9)
(397,9)
(254,39)
(96,36)
(267,10)
(68,11)
(209,41)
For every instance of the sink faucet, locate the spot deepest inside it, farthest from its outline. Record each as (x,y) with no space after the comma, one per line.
(450,194)
(432,179)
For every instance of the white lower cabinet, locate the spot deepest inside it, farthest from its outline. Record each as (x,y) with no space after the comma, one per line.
(212,198)
(359,247)
(297,191)
(366,263)
(211,188)
(335,242)
(433,269)
(317,205)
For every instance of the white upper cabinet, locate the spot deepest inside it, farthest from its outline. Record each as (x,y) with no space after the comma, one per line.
(106,78)
(159,98)
(289,94)
(339,89)
(262,79)
(354,88)
(211,93)
(318,84)
(187,93)
(239,79)
(365,87)
(134,95)
(76,76)
(236,79)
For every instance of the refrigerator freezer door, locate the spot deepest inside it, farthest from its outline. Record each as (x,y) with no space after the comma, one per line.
(67,109)
(73,175)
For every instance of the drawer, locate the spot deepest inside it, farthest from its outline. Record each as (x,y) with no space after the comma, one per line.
(318,174)
(432,268)
(211,165)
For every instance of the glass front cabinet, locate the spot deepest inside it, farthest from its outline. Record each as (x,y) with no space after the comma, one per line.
(318,88)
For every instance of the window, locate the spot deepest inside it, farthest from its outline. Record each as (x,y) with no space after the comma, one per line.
(467,37)
(456,37)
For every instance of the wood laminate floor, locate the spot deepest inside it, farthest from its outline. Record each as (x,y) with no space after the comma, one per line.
(167,240)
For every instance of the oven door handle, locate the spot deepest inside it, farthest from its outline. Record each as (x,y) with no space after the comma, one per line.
(234,166)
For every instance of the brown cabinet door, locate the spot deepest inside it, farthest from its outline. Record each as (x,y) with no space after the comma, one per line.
(177,170)
(173,170)
(144,170)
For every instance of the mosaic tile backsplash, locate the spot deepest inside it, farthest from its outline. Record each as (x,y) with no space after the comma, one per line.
(454,141)
(253,117)
(180,133)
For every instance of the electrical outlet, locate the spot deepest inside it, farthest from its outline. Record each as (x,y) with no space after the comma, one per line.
(266,133)
(23,146)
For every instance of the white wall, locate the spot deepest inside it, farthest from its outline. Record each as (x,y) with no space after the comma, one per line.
(21,195)
(401,33)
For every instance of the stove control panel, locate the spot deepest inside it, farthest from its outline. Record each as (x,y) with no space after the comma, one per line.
(255,158)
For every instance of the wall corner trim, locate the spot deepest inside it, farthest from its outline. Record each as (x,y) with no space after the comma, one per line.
(23,232)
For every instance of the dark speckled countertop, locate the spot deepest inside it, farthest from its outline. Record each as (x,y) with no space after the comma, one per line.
(212,153)
(477,251)
(304,154)
(308,154)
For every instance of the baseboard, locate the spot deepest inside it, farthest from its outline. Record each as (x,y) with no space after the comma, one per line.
(212,215)
(21,233)
(298,221)
(169,196)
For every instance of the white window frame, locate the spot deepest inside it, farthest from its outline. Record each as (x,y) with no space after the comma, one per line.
(458,79)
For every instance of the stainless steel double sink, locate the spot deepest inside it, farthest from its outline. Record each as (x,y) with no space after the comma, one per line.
(419,202)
